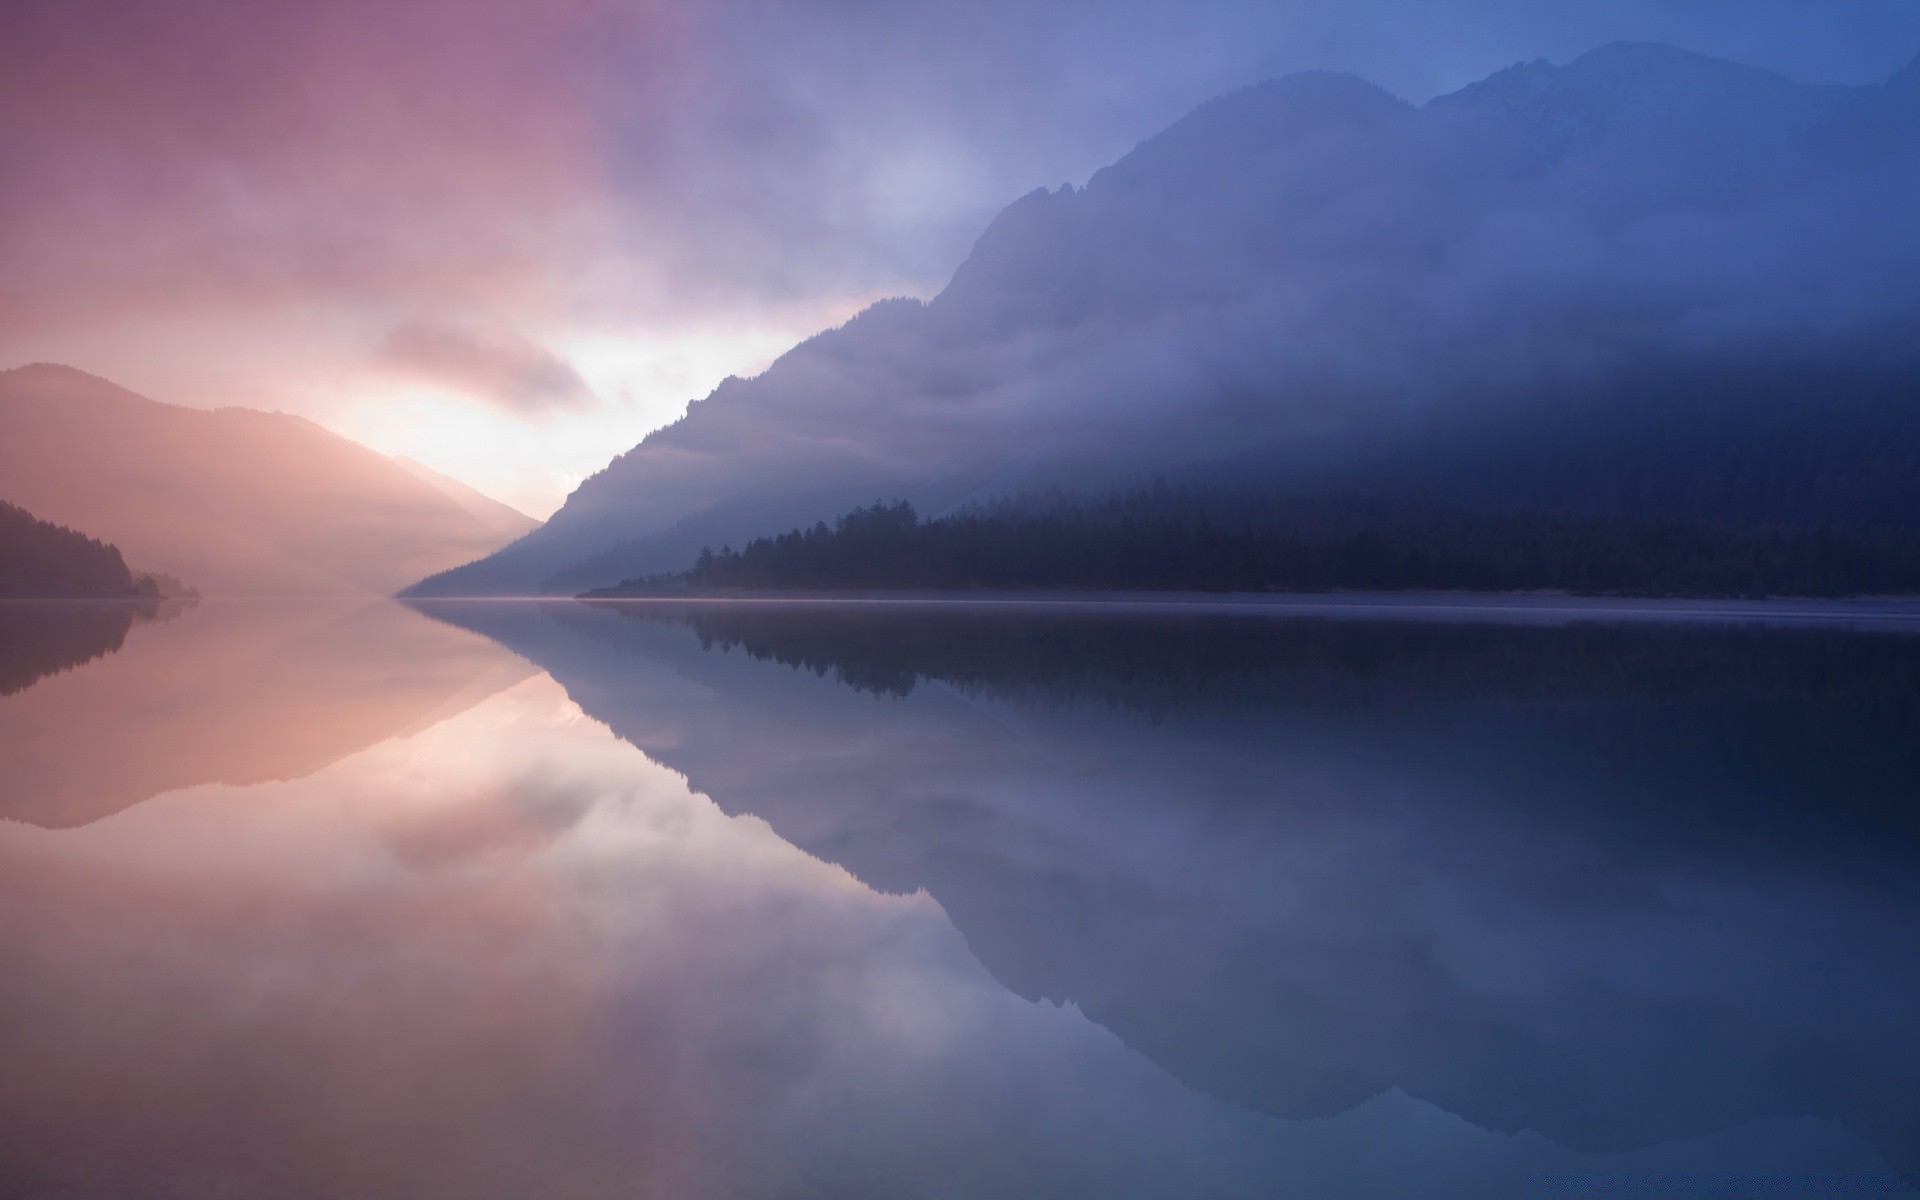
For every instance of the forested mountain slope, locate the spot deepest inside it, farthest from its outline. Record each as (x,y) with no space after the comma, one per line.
(1644,282)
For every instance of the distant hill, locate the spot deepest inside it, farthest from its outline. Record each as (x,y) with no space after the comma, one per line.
(233,501)
(41,559)
(1642,283)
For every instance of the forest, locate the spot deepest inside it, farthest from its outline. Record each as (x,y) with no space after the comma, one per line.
(1194,539)
(39,558)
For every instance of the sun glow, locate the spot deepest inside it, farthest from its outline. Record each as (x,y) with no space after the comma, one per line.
(532,461)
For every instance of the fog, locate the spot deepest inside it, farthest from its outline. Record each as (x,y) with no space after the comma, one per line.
(1310,271)
(214,206)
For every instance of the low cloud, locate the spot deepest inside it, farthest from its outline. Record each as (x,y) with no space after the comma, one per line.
(1312,274)
(231,204)
(500,367)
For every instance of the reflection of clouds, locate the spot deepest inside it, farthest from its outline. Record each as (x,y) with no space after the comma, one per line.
(1301,907)
(270,987)
(618,990)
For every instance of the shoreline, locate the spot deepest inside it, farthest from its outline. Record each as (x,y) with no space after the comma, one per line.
(1891,612)
(77,598)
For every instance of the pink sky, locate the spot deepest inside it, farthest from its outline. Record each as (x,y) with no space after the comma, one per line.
(394,218)
(507,239)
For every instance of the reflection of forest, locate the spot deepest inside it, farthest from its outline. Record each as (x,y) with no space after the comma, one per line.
(41,638)
(1154,662)
(1797,717)
(1579,880)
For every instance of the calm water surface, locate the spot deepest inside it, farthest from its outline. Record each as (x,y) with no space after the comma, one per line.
(757,900)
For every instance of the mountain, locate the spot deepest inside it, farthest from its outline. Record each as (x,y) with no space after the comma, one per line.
(1645,282)
(506,522)
(233,501)
(41,559)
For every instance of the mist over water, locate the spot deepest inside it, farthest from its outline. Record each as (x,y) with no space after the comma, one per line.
(502,899)
(921,601)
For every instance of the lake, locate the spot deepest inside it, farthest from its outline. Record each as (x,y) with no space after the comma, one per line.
(679,899)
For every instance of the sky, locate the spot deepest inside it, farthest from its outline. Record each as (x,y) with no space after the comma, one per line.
(509,239)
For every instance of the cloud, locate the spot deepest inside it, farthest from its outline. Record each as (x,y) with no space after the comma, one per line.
(227,204)
(636,159)
(198,154)
(1308,274)
(500,367)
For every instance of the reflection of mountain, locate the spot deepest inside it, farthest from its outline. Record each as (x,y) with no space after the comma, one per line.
(233,501)
(1644,281)
(1586,881)
(234,694)
(41,639)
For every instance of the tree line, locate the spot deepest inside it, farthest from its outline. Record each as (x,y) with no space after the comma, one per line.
(1195,540)
(39,558)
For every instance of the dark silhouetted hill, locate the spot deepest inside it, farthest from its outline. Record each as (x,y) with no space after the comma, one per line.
(41,559)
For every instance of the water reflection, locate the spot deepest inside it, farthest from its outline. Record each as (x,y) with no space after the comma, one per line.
(960,907)
(240,692)
(1618,886)
(42,638)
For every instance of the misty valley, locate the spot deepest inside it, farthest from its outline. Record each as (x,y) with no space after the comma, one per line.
(763,898)
(618,601)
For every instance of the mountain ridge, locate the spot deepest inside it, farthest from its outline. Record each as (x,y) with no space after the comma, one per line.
(236,501)
(1309,275)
